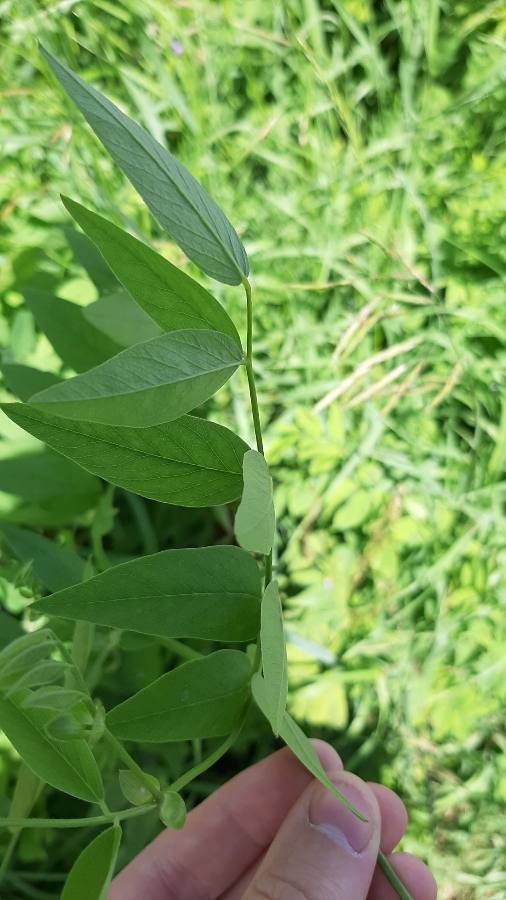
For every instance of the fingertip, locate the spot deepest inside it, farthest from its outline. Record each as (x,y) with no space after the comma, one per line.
(414,874)
(328,756)
(394,816)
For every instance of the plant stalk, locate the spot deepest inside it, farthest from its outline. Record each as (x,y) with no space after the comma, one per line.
(90,822)
(392,878)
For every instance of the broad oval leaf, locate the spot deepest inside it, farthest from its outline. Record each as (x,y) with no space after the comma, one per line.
(69,767)
(91,874)
(203,698)
(189,462)
(170,297)
(296,740)
(153,382)
(255,519)
(211,593)
(75,340)
(176,199)
(121,319)
(23,381)
(274,661)
(86,254)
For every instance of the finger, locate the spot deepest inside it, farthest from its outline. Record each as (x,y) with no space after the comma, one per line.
(394,818)
(322,851)
(222,836)
(414,874)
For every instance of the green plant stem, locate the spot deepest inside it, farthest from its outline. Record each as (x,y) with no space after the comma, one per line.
(90,822)
(130,763)
(179,648)
(392,878)
(254,397)
(210,760)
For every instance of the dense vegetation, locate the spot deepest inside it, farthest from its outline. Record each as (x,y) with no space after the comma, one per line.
(358,147)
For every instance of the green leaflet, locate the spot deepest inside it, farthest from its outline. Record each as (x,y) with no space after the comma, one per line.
(203,698)
(91,874)
(255,520)
(77,343)
(172,194)
(172,299)
(189,462)
(23,381)
(297,741)
(153,382)
(89,258)
(119,317)
(69,767)
(52,565)
(212,593)
(274,661)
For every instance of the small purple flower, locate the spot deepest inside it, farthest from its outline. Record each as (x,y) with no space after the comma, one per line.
(176,47)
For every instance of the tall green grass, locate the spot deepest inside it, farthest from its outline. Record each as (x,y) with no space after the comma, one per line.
(359,147)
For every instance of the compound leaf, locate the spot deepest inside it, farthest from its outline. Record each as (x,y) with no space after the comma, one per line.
(153,382)
(91,874)
(211,593)
(274,661)
(172,194)
(203,698)
(255,520)
(189,462)
(170,297)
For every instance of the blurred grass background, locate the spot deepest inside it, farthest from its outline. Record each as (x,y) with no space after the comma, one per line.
(358,148)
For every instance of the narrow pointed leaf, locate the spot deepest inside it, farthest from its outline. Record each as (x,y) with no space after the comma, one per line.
(176,199)
(255,521)
(274,661)
(203,698)
(76,342)
(211,593)
(23,381)
(296,740)
(172,299)
(69,767)
(153,382)
(120,318)
(53,566)
(91,874)
(189,462)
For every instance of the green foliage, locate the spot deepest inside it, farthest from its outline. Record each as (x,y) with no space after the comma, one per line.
(255,520)
(274,661)
(166,293)
(211,593)
(159,391)
(359,148)
(203,698)
(189,462)
(90,877)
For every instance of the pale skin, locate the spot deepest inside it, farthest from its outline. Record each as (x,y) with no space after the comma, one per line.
(273,833)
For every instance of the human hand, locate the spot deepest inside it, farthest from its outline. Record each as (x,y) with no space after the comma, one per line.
(276,834)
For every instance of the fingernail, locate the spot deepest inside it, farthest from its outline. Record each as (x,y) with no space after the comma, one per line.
(327,814)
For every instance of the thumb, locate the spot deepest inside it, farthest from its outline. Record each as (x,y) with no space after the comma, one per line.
(322,851)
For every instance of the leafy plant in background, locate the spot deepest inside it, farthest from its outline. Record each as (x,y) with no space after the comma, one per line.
(126,420)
